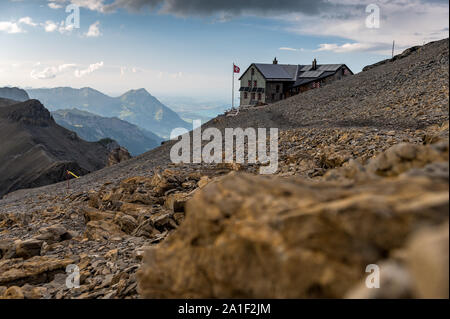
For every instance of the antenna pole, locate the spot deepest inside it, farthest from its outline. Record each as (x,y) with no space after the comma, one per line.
(393,44)
(232,87)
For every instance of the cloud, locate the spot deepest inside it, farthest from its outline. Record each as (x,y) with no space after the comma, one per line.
(347,47)
(94,5)
(12,27)
(287,49)
(88,70)
(56,4)
(27,21)
(212,7)
(207,7)
(51,26)
(94,30)
(51,72)
(409,23)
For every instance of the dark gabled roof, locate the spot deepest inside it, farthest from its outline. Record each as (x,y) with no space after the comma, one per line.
(282,72)
(305,80)
(300,74)
(297,74)
(277,71)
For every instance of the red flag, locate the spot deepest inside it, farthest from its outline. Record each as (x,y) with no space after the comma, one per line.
(236,69)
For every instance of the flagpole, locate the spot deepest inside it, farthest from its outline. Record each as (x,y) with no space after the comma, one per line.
(232,87)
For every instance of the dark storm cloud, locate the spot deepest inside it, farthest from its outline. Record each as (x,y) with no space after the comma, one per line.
(228,7)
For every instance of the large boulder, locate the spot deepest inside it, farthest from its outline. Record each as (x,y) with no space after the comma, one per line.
(269,237)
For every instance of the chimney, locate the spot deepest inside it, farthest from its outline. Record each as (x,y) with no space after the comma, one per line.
(314,64)
(275,61)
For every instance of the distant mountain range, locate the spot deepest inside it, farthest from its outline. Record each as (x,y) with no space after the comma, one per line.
(91,127)
(136,106)
(14,93)
(36,151)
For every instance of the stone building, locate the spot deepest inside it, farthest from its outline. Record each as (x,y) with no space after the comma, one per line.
(268,83)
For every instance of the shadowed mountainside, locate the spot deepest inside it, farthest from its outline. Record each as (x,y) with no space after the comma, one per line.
(36,151)
(15,94)
(91,127)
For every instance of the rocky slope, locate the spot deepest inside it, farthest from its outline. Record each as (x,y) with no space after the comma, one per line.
(35,151)
(91,127)
(135,106)
(362,179)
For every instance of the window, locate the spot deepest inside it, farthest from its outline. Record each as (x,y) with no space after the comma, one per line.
(277,88)
(281,96)
(273,96)
(255,83)
(259,96)
(253,96)
(253,71)
(249,83)
(245,95)
(343,71)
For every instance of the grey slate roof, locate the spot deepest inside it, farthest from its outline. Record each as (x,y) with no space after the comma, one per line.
(277,71)
(310,74)
(289,71)
(304,80)
(299,74)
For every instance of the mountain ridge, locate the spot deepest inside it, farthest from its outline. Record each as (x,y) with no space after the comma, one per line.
(14,93)
(92,127)
(37,151)
(138,106)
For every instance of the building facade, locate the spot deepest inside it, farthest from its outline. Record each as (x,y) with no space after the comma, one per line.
(268,83)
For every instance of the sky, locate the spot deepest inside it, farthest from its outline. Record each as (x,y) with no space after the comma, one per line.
(187,47)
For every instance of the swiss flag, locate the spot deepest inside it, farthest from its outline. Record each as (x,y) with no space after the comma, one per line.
(236,69)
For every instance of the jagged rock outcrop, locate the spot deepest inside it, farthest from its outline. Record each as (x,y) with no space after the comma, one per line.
(36,151)
(118,155)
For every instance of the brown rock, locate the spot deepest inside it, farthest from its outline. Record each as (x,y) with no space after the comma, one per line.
(31,292)
(53,234)
(203,181)
(428,262)
(35,270)
(102,230)
(126,222)
(13,292)
(118,155)
(403,157)
(28,248)
(177,202)
(268,237)
(7,249)
(167,180)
